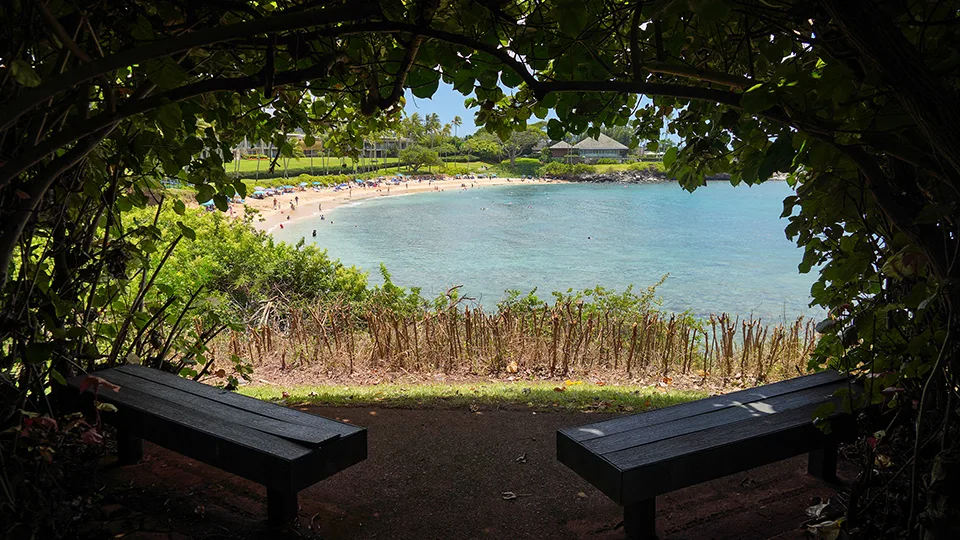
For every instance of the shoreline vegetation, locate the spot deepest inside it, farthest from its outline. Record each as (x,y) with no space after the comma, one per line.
(297,318)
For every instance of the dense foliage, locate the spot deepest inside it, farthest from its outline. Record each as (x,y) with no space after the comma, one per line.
(416,156)
(857,101)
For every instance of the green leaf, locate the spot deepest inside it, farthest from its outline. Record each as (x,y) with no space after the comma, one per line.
(165,73)
(24,73)
(55,375)
(170,116)
(757,99)
(221,201)
(187,231)
(204,193)
(555,129)
(824,411)
(179,207)
(309,140)
(510,78)
(669,157)
(788,204)
(426,90)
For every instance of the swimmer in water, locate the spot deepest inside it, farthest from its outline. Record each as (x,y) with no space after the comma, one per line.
(314,233)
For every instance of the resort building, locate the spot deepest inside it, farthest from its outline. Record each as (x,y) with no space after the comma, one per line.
(589,150)
(385,147)
(560,150)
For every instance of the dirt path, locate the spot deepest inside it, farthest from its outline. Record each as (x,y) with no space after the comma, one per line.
(440,474)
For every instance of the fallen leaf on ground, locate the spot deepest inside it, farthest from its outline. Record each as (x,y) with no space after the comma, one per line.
(522,458)
(513,367)
(558,389)
(508,495)
(828,530)
(816,511)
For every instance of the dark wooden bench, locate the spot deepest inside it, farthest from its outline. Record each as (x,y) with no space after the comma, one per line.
(635,458)
(283,449)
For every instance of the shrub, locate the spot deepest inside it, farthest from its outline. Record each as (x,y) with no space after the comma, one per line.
(521,167)
(566,170)
(607,161)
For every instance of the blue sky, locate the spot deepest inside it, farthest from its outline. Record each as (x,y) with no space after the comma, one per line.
(447,103)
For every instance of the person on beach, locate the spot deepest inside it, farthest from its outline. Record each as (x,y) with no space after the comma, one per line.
(297,199)
(314,233)
(320,207)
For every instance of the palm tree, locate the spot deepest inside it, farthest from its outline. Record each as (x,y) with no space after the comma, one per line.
(457,122)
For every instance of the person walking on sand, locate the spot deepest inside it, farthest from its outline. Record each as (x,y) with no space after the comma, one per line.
(319,207)
(297,198)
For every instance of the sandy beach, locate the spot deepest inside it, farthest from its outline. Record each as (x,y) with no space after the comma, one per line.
(314,203)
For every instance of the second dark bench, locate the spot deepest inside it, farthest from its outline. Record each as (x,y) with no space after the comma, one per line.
(635,458)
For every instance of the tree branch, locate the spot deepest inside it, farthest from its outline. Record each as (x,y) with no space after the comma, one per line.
(275,23)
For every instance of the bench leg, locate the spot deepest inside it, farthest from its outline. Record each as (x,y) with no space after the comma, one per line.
(822,463)
(640,520)
(129,448)
(282,506)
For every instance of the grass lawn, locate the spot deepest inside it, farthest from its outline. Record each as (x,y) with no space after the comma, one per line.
(303,163)
(539,395)
(449,168)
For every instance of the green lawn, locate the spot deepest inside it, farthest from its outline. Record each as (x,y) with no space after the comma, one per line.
(303,163)
(539,395)
(449,168)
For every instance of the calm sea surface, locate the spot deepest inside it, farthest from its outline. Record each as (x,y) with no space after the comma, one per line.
(723,246)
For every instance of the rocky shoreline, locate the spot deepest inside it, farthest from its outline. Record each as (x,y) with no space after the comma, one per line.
(628,177)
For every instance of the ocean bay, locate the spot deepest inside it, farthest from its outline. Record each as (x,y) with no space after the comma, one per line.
(723,246)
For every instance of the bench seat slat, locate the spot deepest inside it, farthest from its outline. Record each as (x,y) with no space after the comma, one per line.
(703,406)
(719,417)
(720,436)
(147,405)
(295,432)
(246,403)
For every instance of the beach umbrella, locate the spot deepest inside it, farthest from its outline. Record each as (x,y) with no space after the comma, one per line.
(259,188)
(303,184)
(207,204)
(316,183)
(259,192)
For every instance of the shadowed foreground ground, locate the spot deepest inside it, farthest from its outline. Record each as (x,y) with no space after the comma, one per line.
(440,474)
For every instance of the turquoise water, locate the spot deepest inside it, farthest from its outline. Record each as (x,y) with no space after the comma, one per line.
(723,246)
